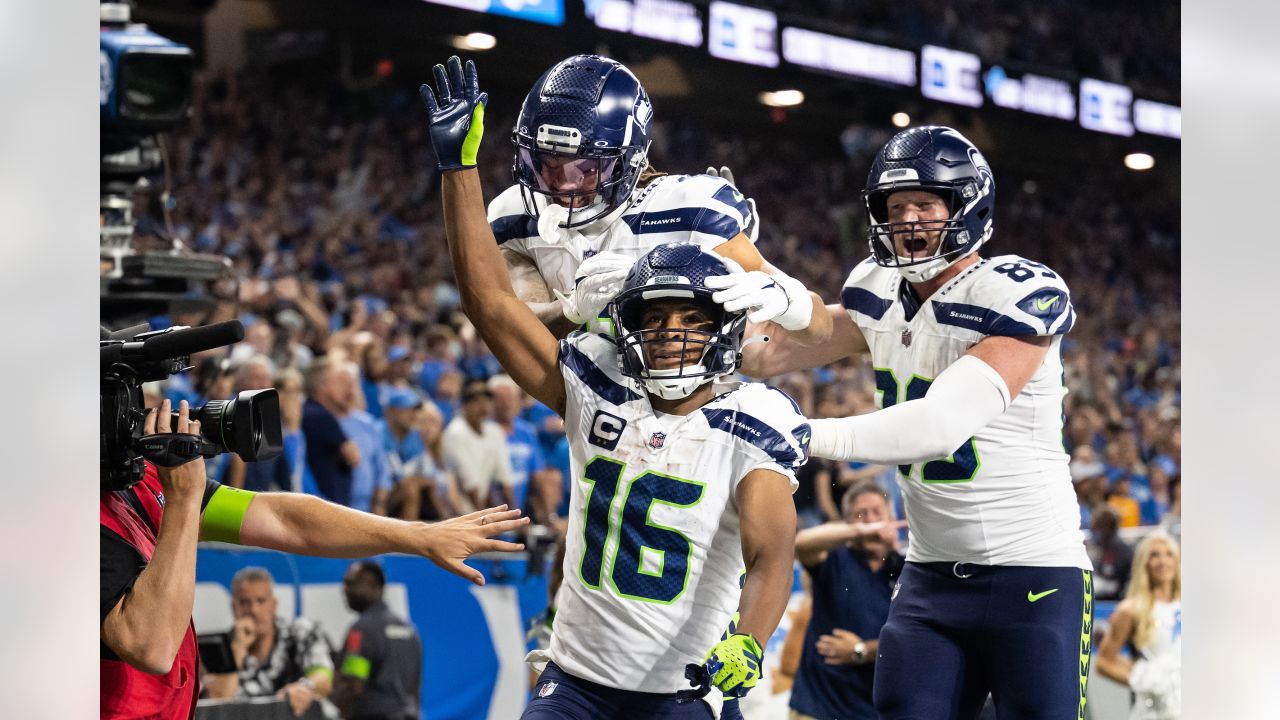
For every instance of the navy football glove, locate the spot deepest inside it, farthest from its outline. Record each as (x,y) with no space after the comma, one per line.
(457,114)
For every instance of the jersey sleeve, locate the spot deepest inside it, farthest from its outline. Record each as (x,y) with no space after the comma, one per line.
(583,359)
(771,432)
(512,225)
(1022,298)
(701,209)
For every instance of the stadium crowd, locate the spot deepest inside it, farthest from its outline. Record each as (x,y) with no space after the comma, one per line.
(327,205)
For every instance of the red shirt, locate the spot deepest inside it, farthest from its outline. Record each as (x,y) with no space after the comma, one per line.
(127,692)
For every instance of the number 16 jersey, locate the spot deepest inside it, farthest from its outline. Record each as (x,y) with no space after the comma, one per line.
(1004,497)
(653,556)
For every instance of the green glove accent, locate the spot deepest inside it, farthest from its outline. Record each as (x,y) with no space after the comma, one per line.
(471,145)
(735,664)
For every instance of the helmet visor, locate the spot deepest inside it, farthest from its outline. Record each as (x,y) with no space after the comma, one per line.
(569,180)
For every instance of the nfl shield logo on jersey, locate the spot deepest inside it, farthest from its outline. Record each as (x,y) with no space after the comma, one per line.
(547,689)
(906,338)
(657,439)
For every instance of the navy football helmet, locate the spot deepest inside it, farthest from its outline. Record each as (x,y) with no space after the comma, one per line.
(582,138)
(938,160)
(676,271)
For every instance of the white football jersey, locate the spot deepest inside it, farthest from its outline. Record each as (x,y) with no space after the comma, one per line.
(653,556)
(1004,497)
(698,209)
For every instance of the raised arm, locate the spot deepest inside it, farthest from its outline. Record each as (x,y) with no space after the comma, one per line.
(308,525)
(783,354)
(969,394)
(527,350)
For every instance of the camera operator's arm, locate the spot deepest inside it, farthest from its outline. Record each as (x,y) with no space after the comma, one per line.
(308,525)
(146,626)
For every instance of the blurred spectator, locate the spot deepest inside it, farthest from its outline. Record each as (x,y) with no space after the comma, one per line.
(371,477)
(288,384)
(1120,499)
(274,656)
(536,484)
(381,669)
(852,566)
(331,455)
(814,504)
(441,497)
(263,475)
(475,449)
(1090,480)
(1111,556)
(403,446)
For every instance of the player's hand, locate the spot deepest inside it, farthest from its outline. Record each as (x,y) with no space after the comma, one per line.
(187,479)
(597,281)
(457,114)
(735,665)
(299,697)
(450,542)
(765,296)
(837,648)
(752,229)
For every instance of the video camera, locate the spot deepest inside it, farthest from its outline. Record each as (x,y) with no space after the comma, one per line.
(249,425)
(145,90)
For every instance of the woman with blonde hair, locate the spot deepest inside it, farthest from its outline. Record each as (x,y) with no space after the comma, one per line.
(1149,622)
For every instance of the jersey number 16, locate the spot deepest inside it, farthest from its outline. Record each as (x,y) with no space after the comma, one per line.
(636,532)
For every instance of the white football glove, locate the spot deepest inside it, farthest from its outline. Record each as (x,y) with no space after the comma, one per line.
(753,218)
(597,280)
(777,297)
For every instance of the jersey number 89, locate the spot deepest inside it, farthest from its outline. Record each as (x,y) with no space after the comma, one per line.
(963,464)
(636,532)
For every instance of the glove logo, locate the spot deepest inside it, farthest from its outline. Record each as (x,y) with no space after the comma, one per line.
(547,689)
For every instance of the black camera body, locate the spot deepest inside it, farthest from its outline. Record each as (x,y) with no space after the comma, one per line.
(249,425)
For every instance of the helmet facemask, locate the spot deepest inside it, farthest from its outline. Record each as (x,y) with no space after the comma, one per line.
(704,353)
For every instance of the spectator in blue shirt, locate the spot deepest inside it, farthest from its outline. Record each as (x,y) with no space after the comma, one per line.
(331,455)
(371,475)
(288,383)
(852,565)
(537,485)
(403,447)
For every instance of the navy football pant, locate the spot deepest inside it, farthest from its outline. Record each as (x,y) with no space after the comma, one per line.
(1020,633)
(561,696)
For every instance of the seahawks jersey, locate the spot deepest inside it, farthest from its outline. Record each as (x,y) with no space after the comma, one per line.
(1005,496)
(653,555)
(699,209)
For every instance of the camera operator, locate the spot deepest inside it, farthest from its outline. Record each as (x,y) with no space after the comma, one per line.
(148,554)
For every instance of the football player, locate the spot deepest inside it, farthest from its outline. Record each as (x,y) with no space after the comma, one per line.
(996,594)
(682,480)
(586,203)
